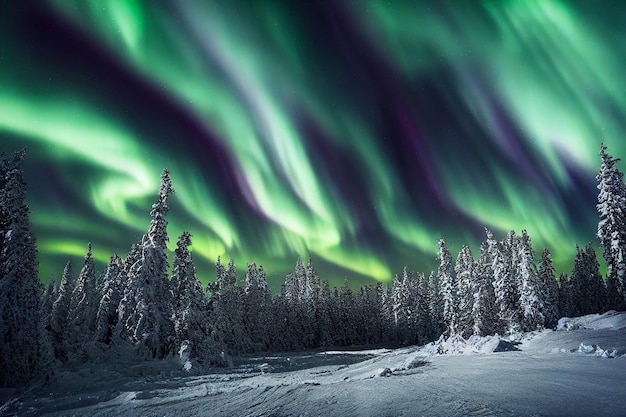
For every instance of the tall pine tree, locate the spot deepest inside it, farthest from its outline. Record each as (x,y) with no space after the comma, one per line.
(612,224)
(190,313)
(145,309)
(550,289)
(447,288)
(21,354)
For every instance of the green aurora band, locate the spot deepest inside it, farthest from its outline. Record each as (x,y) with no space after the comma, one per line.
(358,133)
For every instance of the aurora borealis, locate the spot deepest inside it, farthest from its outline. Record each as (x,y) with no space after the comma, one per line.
(357,132)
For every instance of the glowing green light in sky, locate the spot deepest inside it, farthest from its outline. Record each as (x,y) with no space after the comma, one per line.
(357,132)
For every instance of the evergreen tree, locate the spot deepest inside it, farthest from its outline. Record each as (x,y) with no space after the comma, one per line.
(82,311)
(346,317)
(145,308)
(21,354)
(300,327)
(228,311)
(258,308)
(505,284)
(550,289)
(465,270)
(324,318)
(587,286)
(531,302)
(483,310)
(47,301)
(614,301)
(426,330)
(447,280)
(60,313)
(566,297)
(387,314)
(190,313)
(436,304)
(612,224)
(406,302)
(112,291)
(595,287)
(577,282)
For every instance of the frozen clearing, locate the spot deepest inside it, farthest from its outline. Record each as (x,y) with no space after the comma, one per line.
(575,372)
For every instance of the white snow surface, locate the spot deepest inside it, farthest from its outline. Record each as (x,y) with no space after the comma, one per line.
(554,373)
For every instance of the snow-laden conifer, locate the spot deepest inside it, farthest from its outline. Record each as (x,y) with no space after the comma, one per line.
(531,302)
(505,284)
(60,312)
(21,354)
(228,311)
(448,287)
(465,271)
(258,303)
(483,310)
(82,311)
(112,291)
(436,304)
(595,286)
(612,224)
(190,314)
(566,296)
(549,288)
(145,308)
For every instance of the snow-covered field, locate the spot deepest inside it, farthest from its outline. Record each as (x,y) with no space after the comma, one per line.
(578,370)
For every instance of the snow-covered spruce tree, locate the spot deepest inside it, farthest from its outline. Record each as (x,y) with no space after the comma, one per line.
(227,312)
(447,281)
(299,326)
(320,309)
(577,283)
(145,308)
(566,297)
(405,295)
(505,284)
(309,290)
(395,307)
(346,319)
(435,305)
(369,306)
(112,291)
(587,287)
(60,312)
(550,289)
(190,313)
(483,311)
(325,320)
(257,308)
(614,300)
(612,224)
(426,330)
(386,311)
(47,301)
(21,354)
(465,270)
(82,312)
(596,287)
(531,302)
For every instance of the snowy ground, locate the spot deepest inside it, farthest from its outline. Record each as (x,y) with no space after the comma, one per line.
(578,370)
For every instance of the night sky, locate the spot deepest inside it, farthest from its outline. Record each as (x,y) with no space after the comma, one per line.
(359,132)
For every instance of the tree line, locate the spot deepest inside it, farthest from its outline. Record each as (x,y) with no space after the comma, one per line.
(136,304)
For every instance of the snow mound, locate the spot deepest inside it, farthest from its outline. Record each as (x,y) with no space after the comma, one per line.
(595,350)
(611,320)
(474,345)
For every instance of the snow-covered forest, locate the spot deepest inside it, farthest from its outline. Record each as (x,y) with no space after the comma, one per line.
(136,306)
